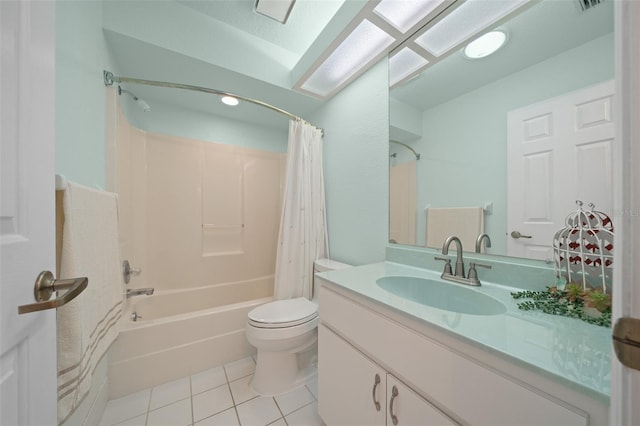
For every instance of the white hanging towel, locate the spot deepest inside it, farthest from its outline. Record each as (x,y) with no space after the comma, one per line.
(87,325)
(465,223)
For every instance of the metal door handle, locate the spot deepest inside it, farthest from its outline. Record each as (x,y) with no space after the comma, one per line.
(626,341)
(375,385)
(44,287)
(394,394)
(517,234)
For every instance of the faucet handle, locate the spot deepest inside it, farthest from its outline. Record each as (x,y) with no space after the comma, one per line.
(447,265)
(473,274)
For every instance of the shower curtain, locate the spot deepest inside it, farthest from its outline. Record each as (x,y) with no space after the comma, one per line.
(303,232)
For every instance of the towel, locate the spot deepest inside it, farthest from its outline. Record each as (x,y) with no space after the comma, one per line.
(87,325)
(465,223)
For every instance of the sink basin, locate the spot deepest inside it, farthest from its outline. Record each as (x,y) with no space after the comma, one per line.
(441,295)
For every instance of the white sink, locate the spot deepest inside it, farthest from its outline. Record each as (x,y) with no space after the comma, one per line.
(442,295)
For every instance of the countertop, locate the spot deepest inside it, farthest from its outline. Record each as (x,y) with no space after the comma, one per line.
(573,351)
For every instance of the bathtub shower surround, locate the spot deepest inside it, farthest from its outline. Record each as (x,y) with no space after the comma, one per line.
(200,219)
(87,326)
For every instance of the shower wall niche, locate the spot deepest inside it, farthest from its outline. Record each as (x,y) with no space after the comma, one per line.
(196,213)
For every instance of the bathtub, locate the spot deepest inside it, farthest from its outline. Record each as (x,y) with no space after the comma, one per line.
(182,332)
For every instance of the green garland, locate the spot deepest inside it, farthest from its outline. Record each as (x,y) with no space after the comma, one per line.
(559,302)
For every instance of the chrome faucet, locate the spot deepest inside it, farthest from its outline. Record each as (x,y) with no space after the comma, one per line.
(458,276)
(479,242)
(139,291)
(459,261)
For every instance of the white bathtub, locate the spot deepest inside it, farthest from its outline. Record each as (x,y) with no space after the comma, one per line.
(183,332)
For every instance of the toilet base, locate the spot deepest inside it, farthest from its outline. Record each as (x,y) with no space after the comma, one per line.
(279,372)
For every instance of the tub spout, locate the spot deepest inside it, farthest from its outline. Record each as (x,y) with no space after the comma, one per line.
(139,291)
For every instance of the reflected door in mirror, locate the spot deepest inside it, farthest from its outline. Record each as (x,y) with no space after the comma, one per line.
(559,152)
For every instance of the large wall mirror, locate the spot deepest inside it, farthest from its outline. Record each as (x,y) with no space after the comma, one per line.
(506,144)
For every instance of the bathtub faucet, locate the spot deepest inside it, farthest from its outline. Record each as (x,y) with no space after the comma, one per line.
(139,291)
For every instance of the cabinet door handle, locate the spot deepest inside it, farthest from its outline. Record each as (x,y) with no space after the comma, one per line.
(394,394)
(375,385)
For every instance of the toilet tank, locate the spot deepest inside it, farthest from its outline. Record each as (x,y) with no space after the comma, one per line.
(323,265)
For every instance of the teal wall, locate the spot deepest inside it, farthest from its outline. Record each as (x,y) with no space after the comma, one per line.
(356,147)
(172,120)
(464,143)
(356,123)
(81,55)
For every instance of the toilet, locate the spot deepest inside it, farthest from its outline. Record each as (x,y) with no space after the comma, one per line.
(285,333)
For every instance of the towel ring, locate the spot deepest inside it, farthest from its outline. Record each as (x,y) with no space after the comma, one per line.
(44,287)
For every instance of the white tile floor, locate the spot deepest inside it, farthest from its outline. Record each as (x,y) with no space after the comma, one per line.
(217,397)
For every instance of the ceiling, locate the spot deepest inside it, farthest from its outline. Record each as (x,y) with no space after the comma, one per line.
(225,45)
(219,44)
(538,33)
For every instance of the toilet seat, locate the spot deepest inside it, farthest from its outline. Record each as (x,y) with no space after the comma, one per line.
(283,313)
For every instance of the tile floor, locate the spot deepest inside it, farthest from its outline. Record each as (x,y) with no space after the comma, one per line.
(217,397)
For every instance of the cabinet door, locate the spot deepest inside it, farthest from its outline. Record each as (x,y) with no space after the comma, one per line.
(347,389)
(409,408)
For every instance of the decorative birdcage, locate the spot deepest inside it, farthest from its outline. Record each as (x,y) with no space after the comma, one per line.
(583,249)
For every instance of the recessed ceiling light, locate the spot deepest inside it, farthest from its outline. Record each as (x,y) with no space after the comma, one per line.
(229,100)
(485,45)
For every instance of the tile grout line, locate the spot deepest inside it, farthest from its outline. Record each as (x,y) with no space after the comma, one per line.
(235,407)
(280,410)
(193,417)
(146,416)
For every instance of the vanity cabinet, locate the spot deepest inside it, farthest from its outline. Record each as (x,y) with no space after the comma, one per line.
(354,390)
(439,381)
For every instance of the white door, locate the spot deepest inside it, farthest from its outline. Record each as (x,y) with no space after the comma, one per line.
(27,342)
(351,387)
(625,382)
(559,151)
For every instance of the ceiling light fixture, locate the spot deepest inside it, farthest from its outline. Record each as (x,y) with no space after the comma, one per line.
(403,64)
(460,25)
(485,45)
(417,33)
(365,44)
(275,9)
(229,100)
(404,14)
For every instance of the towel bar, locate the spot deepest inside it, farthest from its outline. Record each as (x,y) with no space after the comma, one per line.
(44,287)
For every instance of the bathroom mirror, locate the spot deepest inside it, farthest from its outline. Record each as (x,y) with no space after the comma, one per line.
(454,116)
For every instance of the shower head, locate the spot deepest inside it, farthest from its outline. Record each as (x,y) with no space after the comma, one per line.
(145,107)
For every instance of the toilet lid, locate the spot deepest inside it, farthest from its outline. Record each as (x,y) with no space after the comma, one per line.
(283,313)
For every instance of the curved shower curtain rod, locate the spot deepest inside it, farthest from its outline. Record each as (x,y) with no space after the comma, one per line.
(109,79)
(408,147)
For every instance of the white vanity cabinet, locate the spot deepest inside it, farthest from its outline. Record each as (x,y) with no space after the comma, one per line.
(440,379)
(353,390)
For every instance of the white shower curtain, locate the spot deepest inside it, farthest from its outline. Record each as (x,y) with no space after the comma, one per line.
(303,231)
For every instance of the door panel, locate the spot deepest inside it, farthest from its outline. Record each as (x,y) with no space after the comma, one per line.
(559,151)
(346,382)
(27,232)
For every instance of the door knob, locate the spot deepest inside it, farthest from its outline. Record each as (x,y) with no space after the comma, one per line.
(44,287)
(517,234)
